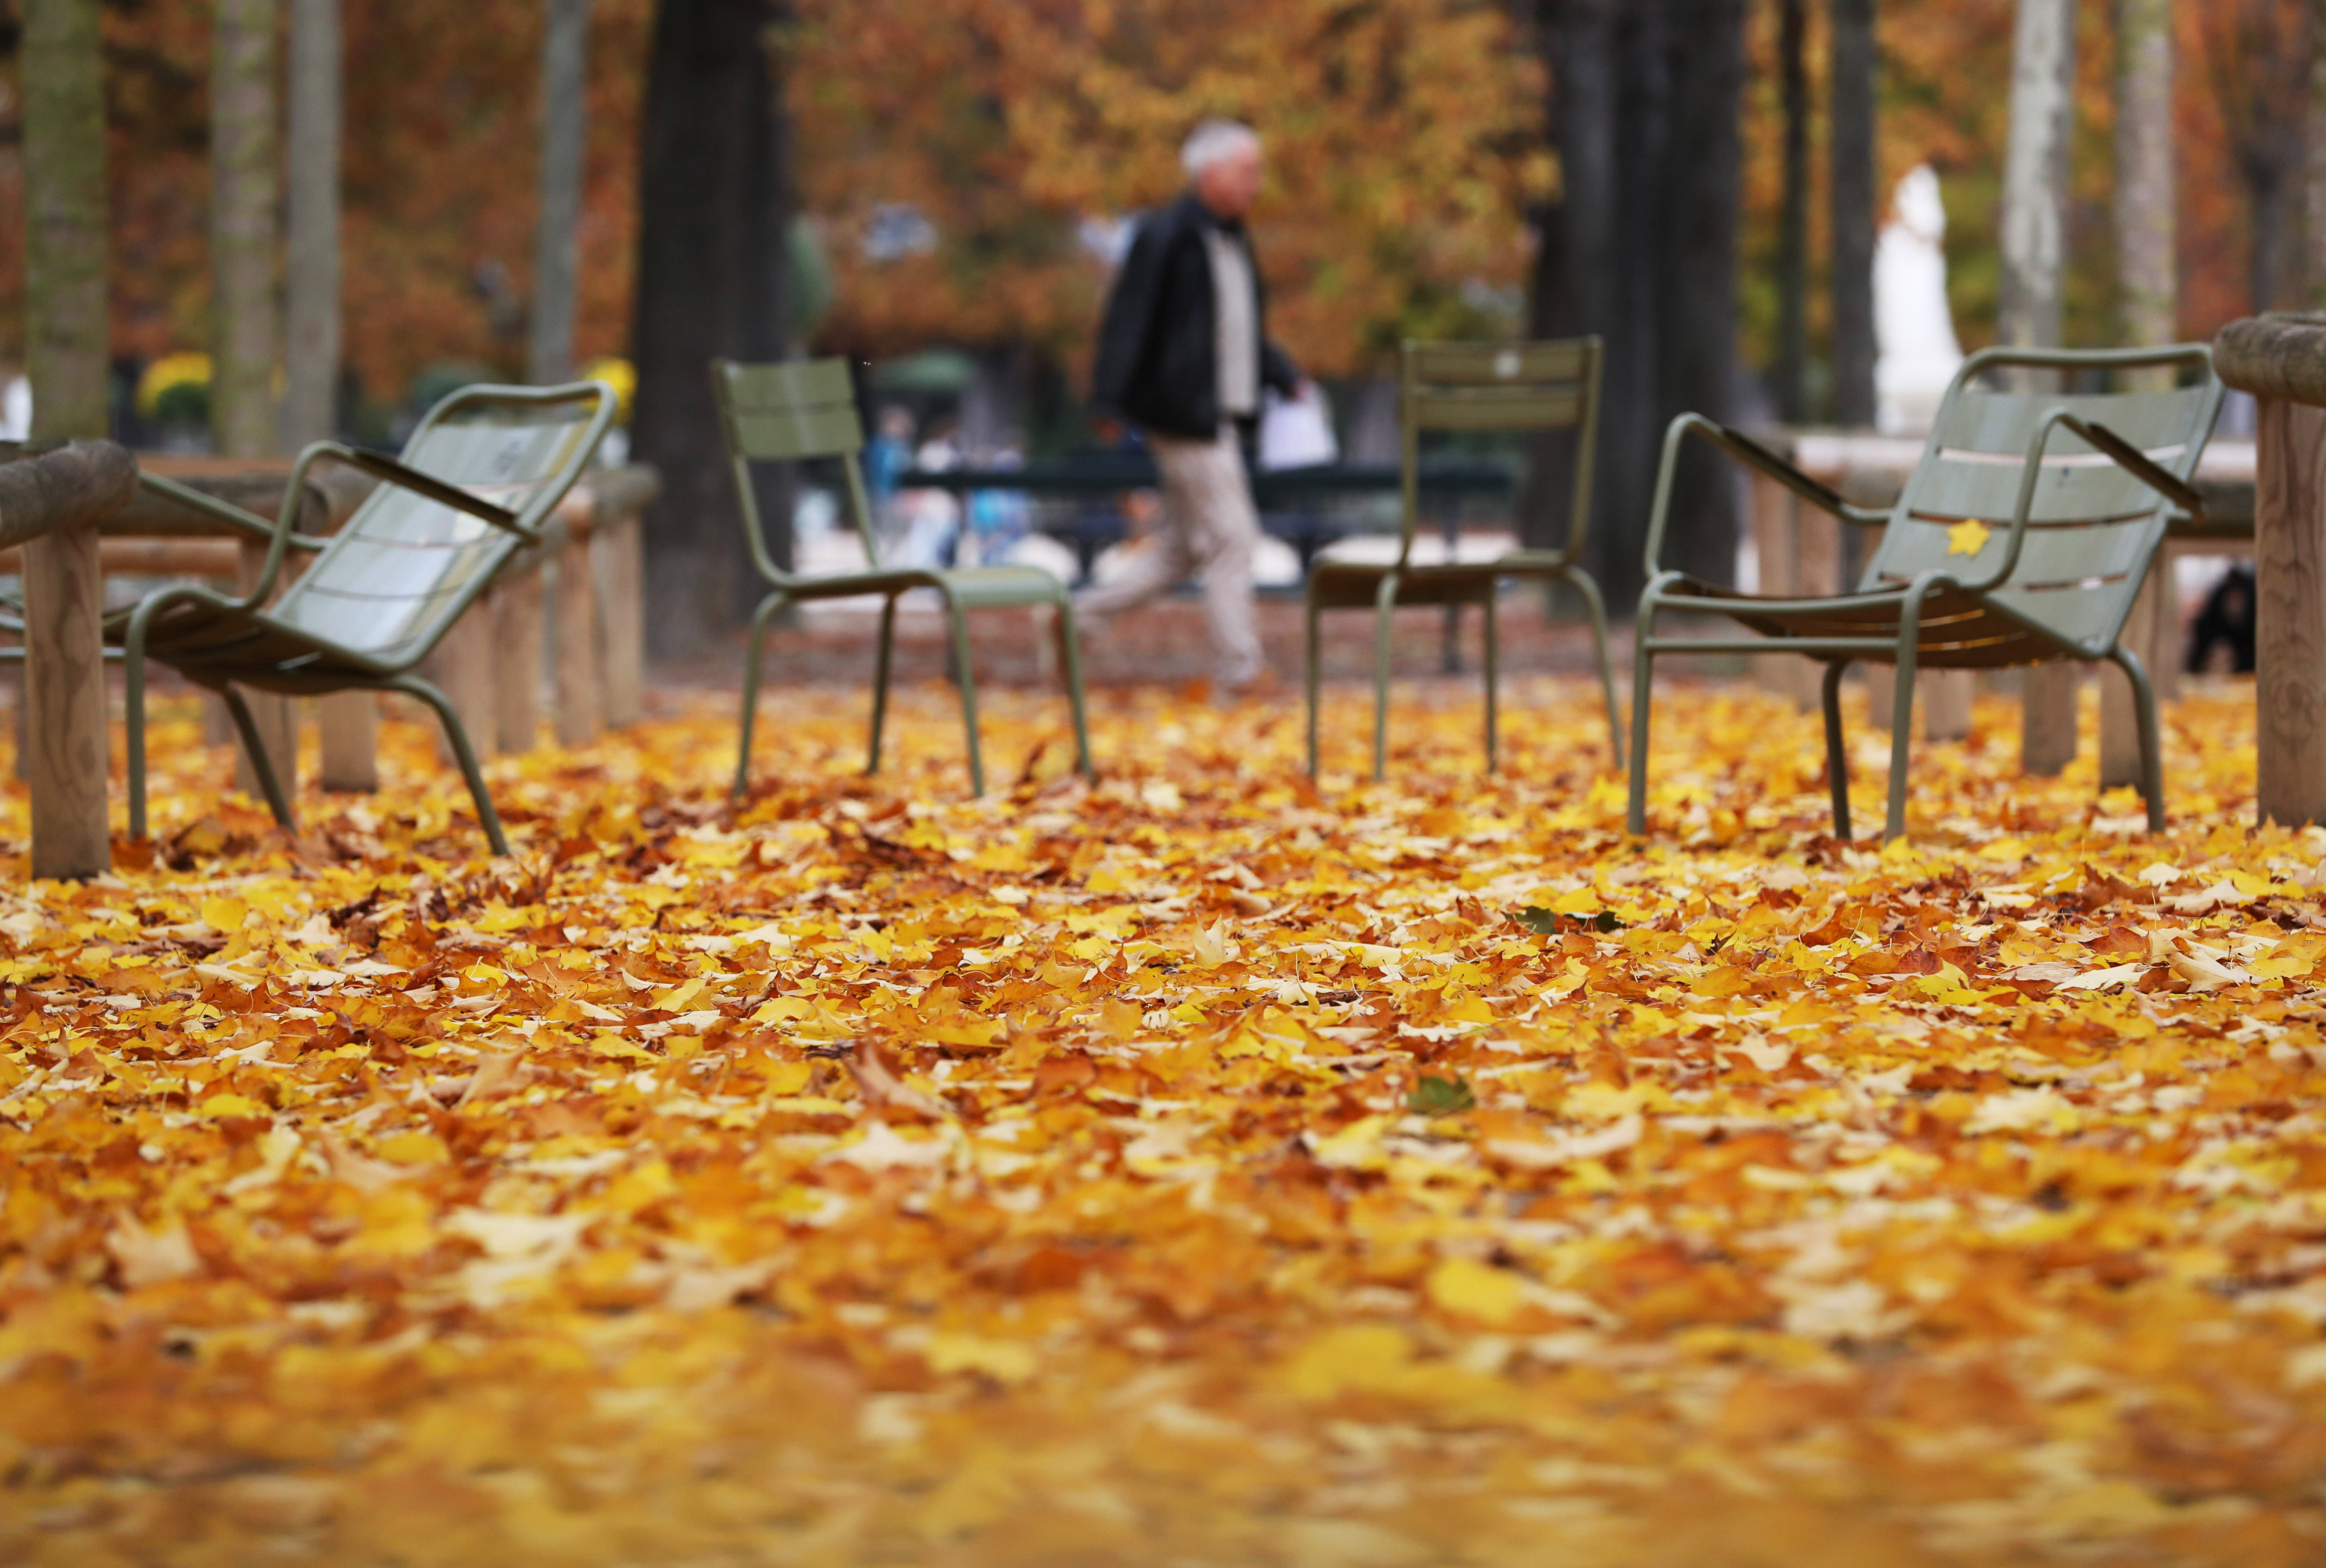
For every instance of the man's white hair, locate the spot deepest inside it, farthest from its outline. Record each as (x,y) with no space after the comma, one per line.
(1214,140)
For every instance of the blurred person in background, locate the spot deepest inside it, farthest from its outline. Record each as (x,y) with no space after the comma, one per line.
(1184,353)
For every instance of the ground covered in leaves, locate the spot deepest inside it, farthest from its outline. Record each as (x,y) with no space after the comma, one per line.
(1194,1167)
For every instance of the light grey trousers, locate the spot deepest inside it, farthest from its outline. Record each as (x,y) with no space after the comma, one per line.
(1211,528)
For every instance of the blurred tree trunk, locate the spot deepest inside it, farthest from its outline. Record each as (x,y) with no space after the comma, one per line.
(2147,210)
(1792,374)
(2035,173)
(311,338)
(2034,246)
(1853,173)
(65,220)
(2314,163)
(1642,251)
(714,207)
(243,176)
(564,140)
(2259,58)
(1696,283)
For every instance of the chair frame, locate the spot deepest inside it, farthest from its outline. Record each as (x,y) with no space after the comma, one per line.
(1954,597)
(142,637)
(1402,581)
(823,433)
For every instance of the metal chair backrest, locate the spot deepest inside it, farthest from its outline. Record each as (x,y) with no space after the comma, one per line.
(400,571)
(2092,527)
(786,412)
(1502,387)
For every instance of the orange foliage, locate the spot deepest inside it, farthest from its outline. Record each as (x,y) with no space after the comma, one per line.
(1406,137)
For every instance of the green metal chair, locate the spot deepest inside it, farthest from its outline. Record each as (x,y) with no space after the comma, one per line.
(473,487)
(2023,536)
(807,409)
(1474,387)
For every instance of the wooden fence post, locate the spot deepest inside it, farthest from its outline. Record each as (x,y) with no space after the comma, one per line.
(52,504)
(2281,361)
(579,688)
(277,716)
(516,661)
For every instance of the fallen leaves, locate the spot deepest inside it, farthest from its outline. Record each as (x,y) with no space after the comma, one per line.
(1195,1164)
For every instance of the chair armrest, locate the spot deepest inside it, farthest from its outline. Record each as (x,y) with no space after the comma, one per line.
(246,524)
(1753,455)
(2142,466)
(387,469)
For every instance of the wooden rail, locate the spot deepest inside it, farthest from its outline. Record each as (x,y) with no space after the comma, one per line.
(51,503)
(2281,359)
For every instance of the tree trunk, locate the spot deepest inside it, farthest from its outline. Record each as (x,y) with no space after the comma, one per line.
(65,220)
(2148,285)
(1791,371)
(2035,173)
(1695,282)
(1852,171)
(2147,210)
(2313,151)
(243,176)
(66,234)
(713,206)
(2034,214)
(565,141)
(1643,253)
(311,256)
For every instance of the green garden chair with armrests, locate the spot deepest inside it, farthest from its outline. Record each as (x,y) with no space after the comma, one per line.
(807,409)
(1474,387)
(472,487)
(2025,532)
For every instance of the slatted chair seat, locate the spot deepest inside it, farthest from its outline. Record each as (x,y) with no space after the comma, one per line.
(472,491)
(785,412)
(1472,386)
(2022,538)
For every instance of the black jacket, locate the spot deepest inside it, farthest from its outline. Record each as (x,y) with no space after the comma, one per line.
(1158,347)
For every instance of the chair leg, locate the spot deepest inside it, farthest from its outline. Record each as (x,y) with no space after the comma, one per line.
(1315,674)
(1384,603)
(133,672)
(1493,672)
(881,660)
(1836,756)
(1636,814)
(463,753)
(261,764)
(968,693)
(1598,613)
(2152,748)
(1070,645)
(754,655)
(1902,719)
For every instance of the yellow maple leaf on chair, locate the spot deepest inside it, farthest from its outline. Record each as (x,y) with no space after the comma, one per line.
(1967,537)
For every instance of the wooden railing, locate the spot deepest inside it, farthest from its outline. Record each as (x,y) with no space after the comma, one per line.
(50,503)
(2281,359)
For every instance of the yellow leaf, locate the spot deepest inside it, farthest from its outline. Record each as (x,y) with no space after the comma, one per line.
(1003,1360)
(1468,1288)
(1967,537)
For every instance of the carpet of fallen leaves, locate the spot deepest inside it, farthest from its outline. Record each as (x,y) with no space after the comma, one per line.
(1194,1167)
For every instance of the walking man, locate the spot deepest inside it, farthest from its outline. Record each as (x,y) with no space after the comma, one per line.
(1183,353)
